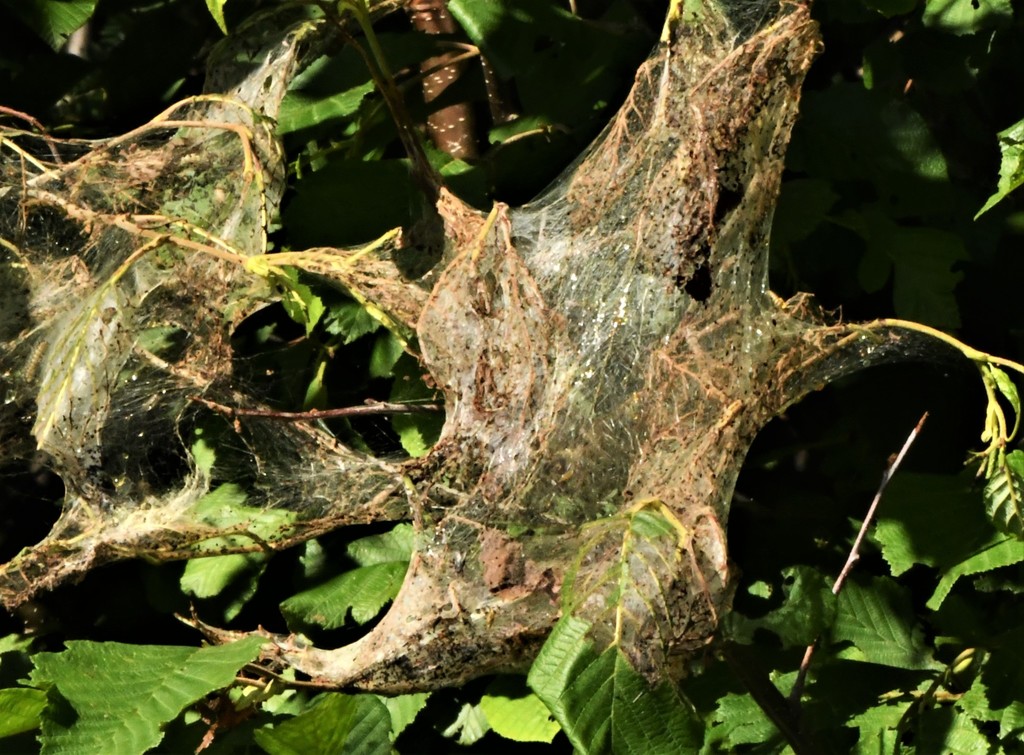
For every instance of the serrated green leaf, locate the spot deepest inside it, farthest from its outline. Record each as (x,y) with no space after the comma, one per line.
(20,710)
(516,713)
(948,730)
(216,8)
(1011,166)
(207,577)
(627,568)
(1001,553)
(808,609)
(603,704)
(935,520)
(878,729)
(298,299)
(122,695)
(1004,495)
(335,724)
(350,320)
(404,709)
(210,576)
(53,20)
(363,591)
(739,720)
(203,454)
(469,727)
(14,643)
(878,620)
(967,16)
(224,509)
(393,545)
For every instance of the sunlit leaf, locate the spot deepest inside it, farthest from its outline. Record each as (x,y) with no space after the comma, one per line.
(394,545)
(1004,494)
(516,713)
(21,709)
(967,16)
(301,110)
(52,20)
(404,709)
(878,728)
(878,620)
(216,8)
(334,725)
(739,720)
(469,727)
(122,695)
(349,320)
(603,704)
(363,591)
(1011,167)
(1003,553)
(935,520)
(808,609)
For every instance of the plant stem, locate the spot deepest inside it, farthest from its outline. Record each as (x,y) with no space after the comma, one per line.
(851,560)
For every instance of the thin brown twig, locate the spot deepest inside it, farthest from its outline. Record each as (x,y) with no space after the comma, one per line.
(851,560)
(36,125)
(370,408)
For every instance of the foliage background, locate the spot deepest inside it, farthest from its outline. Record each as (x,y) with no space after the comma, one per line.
(895,153)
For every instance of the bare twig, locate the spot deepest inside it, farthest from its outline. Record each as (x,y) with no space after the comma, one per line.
(36,125)
(370,408)
(851,560)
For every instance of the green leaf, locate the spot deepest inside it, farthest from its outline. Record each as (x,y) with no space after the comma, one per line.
(350,320)
(301,109)
(404,709)
(878,727)
(216,8)
(20,710)
(603,704)
(469,727)
(417,432)
(516,713)
(739,720)
(878,620)
(1004,495)
(334,725)
(924,276)
(1007,388)
(298,299)
(967,16)
(387,350)
(393,545)
(1011,167)
(947,730)
(1002,553)
(121,695)
(808,610)
(935,520)
(52,20)
(207,577)
(363,591)
(223,509)
(210,576)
